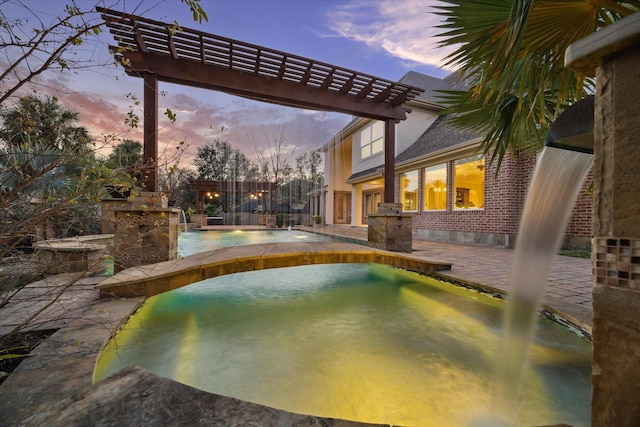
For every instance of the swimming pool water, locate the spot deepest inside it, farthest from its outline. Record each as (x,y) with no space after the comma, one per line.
(190,243)
(355,341)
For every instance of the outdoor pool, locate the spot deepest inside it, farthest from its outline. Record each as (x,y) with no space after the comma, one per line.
(355,341)
(193,242)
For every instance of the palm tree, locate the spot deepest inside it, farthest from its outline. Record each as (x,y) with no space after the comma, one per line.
(44,123)
(41,148)
(511,53)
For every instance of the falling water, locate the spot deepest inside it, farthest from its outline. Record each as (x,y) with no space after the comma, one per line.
(556,181)
(183,219)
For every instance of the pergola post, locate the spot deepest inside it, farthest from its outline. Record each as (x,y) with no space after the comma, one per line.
(389,160)
(389,228)
(150,169)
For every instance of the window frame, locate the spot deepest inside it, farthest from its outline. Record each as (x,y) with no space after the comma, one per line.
(403,198)
(370,140)
(462,194)
(445,189)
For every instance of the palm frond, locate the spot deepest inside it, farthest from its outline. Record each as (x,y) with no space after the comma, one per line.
(512,52)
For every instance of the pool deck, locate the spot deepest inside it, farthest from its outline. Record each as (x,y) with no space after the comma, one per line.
(60,374)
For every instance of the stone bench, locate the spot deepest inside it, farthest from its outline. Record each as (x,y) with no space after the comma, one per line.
(74,254)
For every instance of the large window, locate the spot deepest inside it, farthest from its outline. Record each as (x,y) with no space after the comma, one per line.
(372,140)
(435,188)
(409,190)
(469,183)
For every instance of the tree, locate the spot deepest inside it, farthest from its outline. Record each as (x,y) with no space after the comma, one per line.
(511,52)
(49,177)
(175,180)
(307,176)
(126,161)
(308,166)
(219,161)
(45,160)
(127,154)
(44,123)
(274,161)
(51,45)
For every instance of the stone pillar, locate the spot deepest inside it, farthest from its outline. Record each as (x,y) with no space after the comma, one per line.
(146,231)
(108,209)
(270,221)
(615,54)
(390,229)
(200,220)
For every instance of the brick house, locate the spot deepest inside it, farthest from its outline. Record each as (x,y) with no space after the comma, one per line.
(451,189)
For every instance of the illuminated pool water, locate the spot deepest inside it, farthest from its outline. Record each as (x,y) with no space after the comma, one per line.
(355,341)
(190,243)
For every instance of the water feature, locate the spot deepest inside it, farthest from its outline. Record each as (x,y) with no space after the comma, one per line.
(560,171)
(552,193)
(353,341)
(183,220)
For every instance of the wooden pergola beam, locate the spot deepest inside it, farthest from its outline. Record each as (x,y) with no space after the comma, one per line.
(249,85)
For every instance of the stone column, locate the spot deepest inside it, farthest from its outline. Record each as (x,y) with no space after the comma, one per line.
(614,52)
(390,229)
(108,209)
(146,231)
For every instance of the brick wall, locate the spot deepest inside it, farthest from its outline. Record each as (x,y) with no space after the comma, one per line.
(580,224)
(497,223)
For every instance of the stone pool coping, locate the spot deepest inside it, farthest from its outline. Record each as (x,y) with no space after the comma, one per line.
(154,279)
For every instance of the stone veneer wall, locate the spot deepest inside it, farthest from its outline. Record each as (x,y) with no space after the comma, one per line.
(108,209)
(145,236)
(616,243)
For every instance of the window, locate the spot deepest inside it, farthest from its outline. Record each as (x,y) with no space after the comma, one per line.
(372,140)
(469,183)
(372,202)
(409,190)
(435,188)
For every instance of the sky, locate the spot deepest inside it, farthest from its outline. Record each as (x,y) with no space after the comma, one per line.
(384,38)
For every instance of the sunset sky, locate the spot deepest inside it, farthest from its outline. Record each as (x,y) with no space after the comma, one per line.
(382,38)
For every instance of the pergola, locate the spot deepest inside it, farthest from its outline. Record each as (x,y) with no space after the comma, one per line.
(208,189)
(157,51)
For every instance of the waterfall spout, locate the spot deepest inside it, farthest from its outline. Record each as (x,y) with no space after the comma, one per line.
(573,129)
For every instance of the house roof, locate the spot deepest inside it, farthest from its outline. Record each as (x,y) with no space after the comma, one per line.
(439,136)
(365,174)
(430,85)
